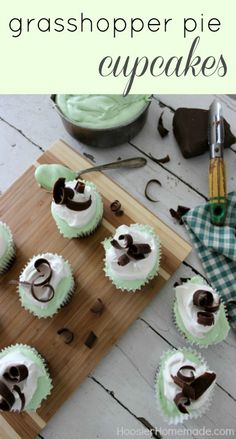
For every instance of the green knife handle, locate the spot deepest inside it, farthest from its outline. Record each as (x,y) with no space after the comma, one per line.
(217,191)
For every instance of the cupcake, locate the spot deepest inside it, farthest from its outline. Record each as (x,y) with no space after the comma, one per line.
(7,248)
(184,385)
(45,284)
(199,313)
(24,379)
(77,207)
(132,256)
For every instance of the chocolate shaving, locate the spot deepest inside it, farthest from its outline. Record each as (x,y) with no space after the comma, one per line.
(179,213)
(115,207)
(21,395)
(199,385)
(163,160)
(128,241)
(90,340)
(181,401)
(153,180)
(64,195)
(98,307)
(7,398)
(205,299)
(67,334)
(123,260)
(185,378)
(80,187)
(42,280)
(16,373)
(136,249)
(161,129)
(205,318)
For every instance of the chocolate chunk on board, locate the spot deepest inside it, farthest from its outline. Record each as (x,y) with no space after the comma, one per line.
(190,126)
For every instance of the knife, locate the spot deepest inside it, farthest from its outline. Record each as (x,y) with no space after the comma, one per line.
(217,181)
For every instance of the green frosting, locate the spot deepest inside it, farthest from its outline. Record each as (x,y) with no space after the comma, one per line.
(47,175)
(62,293)
(168,407)
(216,334)
(132,285)
(101,111)
(44,384)
(9,253)
(79,232)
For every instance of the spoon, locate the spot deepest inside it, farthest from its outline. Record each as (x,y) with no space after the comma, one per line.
(135,162)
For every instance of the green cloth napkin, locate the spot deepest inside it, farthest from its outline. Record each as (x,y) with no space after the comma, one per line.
(216,247)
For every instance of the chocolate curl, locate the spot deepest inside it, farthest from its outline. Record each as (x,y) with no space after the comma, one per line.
(98,307)
(205,299)
(64,195)
(7,398)
(67,334)
(199,385)
(90,340)
(21,396)
(205,318)
(16,373)
(80,187)
(137,249)
(128,242)
(161,129)
(123,260)
(43,279)
(181,401)
(186,378)
(115,206)
(179,213)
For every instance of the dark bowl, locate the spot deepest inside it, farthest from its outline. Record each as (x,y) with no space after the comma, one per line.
(104,137)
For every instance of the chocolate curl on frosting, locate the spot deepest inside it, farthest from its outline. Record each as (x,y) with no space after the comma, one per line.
(181,401)
(205,318)
(79,187)
(199,386)
(16,373)
(7,398)
(64,195)
(45,273)
(134,251)
(205,299)
(21,396)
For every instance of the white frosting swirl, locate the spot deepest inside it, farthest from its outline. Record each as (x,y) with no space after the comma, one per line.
(27,386)
(134,270)
(77,218)
(60,270)
(172,365)
(188,311)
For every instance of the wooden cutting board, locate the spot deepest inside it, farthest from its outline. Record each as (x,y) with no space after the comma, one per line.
(26,208)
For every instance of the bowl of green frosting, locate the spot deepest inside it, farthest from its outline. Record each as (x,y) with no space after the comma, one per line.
(102,120)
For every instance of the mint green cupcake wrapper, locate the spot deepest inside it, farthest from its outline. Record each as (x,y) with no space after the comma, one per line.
(9,256)
(211,337)
(178,417)
(50,310)
(45,385)
(134,285)
(80,232)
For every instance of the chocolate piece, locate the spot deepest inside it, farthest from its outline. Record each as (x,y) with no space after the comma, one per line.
(179,213)
(128,241)
(205,318)
(199,385)
(205,299)
(161,129)
(67,334)
(79,187)
(163,160)
(115,205)
(123,260)
(190,126)
(153,180)
(181,401)
(64,195)
(98,307)
(119,212)
(186,378)
(42,280)
(17,373)
(21,395)
(90,340)
(136,249)
(7,398)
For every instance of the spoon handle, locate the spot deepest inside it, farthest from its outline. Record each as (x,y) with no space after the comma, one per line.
(135,162)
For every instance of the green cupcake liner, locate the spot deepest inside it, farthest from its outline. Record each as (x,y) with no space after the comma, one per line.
(211,337)
(7,259)
(44,385)
(83,231)
(168,409)
(133,285)
(63,294)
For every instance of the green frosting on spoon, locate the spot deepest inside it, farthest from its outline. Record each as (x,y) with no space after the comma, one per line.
(47,175)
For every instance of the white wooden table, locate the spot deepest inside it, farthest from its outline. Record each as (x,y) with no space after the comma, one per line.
(119,392)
